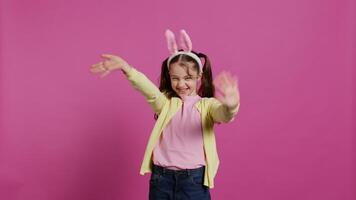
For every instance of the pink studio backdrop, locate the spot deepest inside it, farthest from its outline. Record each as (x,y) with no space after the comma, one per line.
(66,134)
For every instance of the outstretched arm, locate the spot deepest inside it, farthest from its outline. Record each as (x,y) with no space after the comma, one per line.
(227,104)
(137,79)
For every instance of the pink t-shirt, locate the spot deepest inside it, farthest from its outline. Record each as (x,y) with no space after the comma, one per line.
(181,143)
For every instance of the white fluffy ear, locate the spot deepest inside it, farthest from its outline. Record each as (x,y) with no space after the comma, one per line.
(185,41)
(171,42)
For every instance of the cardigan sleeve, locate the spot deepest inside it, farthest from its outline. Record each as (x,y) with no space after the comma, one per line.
(221,113)
(149,90)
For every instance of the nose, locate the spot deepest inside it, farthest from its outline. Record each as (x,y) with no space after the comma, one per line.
(181,83)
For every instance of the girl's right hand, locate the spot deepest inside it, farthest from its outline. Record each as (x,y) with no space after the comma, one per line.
(109,64)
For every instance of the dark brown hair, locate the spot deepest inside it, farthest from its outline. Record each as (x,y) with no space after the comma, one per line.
(206,88)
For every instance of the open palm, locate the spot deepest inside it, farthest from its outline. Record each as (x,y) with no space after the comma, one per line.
(227,91)
(109,64)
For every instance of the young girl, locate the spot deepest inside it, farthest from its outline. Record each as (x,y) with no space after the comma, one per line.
(181,152)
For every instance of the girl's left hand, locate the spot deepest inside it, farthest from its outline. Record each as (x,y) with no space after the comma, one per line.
(227,91)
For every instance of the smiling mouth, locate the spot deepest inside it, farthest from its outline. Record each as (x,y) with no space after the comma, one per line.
(183,91)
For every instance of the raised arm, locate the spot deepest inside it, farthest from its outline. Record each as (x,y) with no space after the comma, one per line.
(138,80)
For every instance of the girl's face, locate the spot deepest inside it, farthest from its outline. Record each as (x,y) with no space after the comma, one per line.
(184,78)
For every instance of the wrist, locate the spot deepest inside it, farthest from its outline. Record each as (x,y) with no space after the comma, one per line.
(232,107)
(126,68)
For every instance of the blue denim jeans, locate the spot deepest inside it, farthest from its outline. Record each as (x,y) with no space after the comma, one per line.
(170,184)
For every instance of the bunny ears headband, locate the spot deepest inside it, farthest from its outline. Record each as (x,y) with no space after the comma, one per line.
(186,45)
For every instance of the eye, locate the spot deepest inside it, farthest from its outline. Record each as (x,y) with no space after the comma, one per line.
(188,78)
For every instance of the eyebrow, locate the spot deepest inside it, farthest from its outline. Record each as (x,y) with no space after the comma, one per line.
(176,76)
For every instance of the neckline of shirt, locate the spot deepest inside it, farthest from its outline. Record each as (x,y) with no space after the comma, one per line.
(190,98)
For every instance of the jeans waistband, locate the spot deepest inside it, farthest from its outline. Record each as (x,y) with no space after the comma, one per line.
(163,170)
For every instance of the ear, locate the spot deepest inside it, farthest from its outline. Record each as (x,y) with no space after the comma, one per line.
(171,42)
(185,41)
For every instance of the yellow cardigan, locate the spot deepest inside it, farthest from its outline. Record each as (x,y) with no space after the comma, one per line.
(211,111)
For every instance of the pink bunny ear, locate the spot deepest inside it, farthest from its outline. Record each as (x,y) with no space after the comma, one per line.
(185,41)
(171,42)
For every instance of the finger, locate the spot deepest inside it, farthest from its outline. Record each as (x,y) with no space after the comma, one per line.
(97,69)
(107,56)
(104,74)
(235,82)
(220,90)
(230,81)
(223,85)
(97,65)
(221,78)
(226,78)
(93,70)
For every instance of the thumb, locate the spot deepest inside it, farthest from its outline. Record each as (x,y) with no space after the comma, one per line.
(108,56)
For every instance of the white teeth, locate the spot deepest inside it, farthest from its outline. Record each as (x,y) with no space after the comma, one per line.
(182,91)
